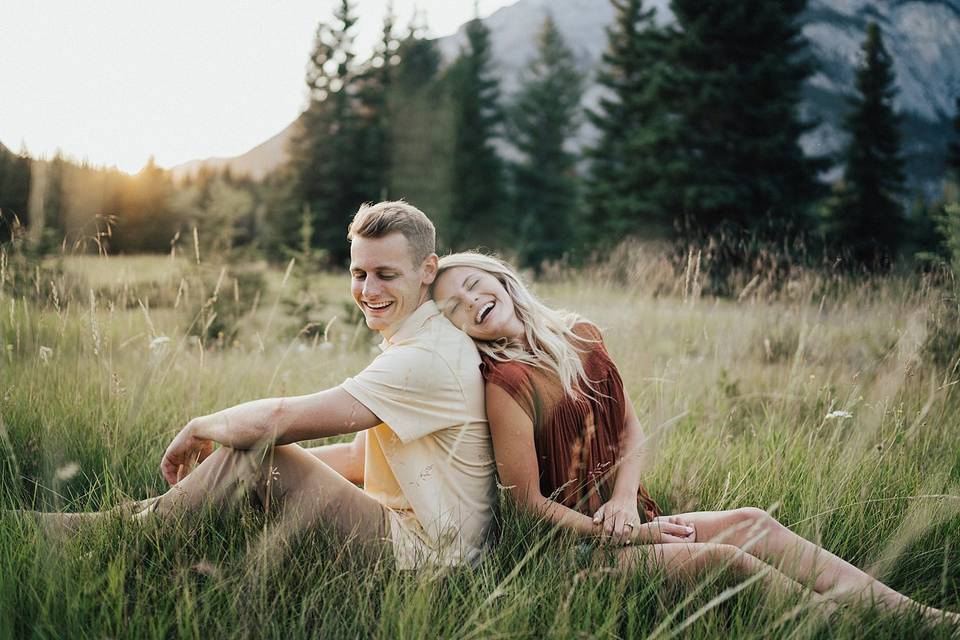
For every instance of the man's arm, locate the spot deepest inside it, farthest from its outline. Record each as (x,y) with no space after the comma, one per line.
(266,422)
(346,458)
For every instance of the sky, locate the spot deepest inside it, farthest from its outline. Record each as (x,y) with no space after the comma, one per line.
(116,81)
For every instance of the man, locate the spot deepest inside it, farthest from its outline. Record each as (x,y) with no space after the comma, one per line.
(423,449)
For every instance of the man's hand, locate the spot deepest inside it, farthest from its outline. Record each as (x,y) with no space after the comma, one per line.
(185,451)
(619,518)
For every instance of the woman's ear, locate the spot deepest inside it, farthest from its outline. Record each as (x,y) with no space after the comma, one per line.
(429,269)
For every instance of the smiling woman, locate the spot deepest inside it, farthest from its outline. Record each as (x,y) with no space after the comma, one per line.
(569,448)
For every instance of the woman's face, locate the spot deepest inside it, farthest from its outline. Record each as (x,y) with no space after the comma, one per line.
(475,302)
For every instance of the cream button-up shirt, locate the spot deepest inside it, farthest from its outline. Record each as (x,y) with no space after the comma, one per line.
(430,461)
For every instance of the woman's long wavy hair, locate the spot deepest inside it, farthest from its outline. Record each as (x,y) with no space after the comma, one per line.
(553,346)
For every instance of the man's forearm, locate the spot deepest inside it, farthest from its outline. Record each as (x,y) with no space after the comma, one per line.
(243,426)
(276,421)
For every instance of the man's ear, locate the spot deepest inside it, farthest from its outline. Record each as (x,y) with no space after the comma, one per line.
(429,267)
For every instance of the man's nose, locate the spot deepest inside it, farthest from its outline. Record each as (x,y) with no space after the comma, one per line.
(371,287)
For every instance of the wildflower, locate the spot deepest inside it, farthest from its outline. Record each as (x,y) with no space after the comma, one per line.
(45,354)
(67,471)
(838,415)
(159,343)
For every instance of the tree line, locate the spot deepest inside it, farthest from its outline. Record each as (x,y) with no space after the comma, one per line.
(697,136)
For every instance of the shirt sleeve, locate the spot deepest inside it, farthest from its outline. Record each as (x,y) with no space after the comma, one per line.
(410,389)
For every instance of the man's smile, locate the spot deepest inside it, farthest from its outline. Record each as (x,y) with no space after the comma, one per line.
(377,306)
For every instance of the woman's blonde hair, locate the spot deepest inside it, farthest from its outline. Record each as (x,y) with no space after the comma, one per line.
(553,346)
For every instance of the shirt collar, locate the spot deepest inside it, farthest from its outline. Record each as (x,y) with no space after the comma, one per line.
(412,324)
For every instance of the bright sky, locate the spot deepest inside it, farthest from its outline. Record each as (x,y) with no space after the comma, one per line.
(114,81)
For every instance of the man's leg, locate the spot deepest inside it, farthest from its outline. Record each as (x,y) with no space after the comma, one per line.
(288,480)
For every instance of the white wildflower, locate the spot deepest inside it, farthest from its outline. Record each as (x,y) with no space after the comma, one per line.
(45,354)
(67,471)
(158,344)
(838,415)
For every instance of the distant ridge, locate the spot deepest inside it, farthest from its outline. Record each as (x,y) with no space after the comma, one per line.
(255,163)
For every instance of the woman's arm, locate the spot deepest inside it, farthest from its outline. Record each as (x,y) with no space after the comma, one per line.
(516,454)
(513,446)
(617,514)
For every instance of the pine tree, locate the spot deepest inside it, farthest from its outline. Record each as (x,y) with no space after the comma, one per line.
(54,209)
(15,180)
(376,84)
(626,164)
(477,215)
(421,129)
(740,66)
(866,218)
(543,117)
(953,148)
(329,171)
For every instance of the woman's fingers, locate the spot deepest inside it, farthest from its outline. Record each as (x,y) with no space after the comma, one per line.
(598,516)
(620,529)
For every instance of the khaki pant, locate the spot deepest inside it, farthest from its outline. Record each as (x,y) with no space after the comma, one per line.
(286,480)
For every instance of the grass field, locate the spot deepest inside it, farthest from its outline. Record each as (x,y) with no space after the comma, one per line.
(831,401)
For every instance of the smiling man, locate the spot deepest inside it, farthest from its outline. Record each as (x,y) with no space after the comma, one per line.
(422,451)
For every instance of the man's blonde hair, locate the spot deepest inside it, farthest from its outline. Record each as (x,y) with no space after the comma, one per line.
(381,219)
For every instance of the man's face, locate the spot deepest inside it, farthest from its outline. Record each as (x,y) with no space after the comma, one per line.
(386,285)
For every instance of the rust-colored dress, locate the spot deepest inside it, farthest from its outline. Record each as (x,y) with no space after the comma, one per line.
(577,440)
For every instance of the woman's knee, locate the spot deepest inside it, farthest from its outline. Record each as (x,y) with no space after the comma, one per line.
(754,520)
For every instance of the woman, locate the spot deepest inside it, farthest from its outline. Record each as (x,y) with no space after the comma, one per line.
(567,445)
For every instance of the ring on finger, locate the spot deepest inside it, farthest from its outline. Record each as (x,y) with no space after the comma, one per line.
(629,524)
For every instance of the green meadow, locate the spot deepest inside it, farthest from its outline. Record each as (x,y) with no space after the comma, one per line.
(830,400)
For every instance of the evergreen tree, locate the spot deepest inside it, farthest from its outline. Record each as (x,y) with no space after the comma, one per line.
(53,205)
(145,220)
(627,163)
(953,148)
(543,117)
(15,180)
(421,129)
(330,177)
(477,215)
(740,66)
(866,217)
(376,83)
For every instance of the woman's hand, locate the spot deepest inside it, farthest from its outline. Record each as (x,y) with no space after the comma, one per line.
(666,529)
(185,450)
(619,519)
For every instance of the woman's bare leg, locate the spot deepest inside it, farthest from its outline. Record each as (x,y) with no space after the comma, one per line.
(761,535)
(691,561)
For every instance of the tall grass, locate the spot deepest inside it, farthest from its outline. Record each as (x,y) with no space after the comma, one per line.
(818,398)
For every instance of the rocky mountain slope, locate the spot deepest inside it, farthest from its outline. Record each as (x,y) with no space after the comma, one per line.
(922,35)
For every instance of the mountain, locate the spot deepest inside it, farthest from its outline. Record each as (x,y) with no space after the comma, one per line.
(256,163)
(923,37)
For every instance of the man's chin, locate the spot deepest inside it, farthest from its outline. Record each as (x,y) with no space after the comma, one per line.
(376,324)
